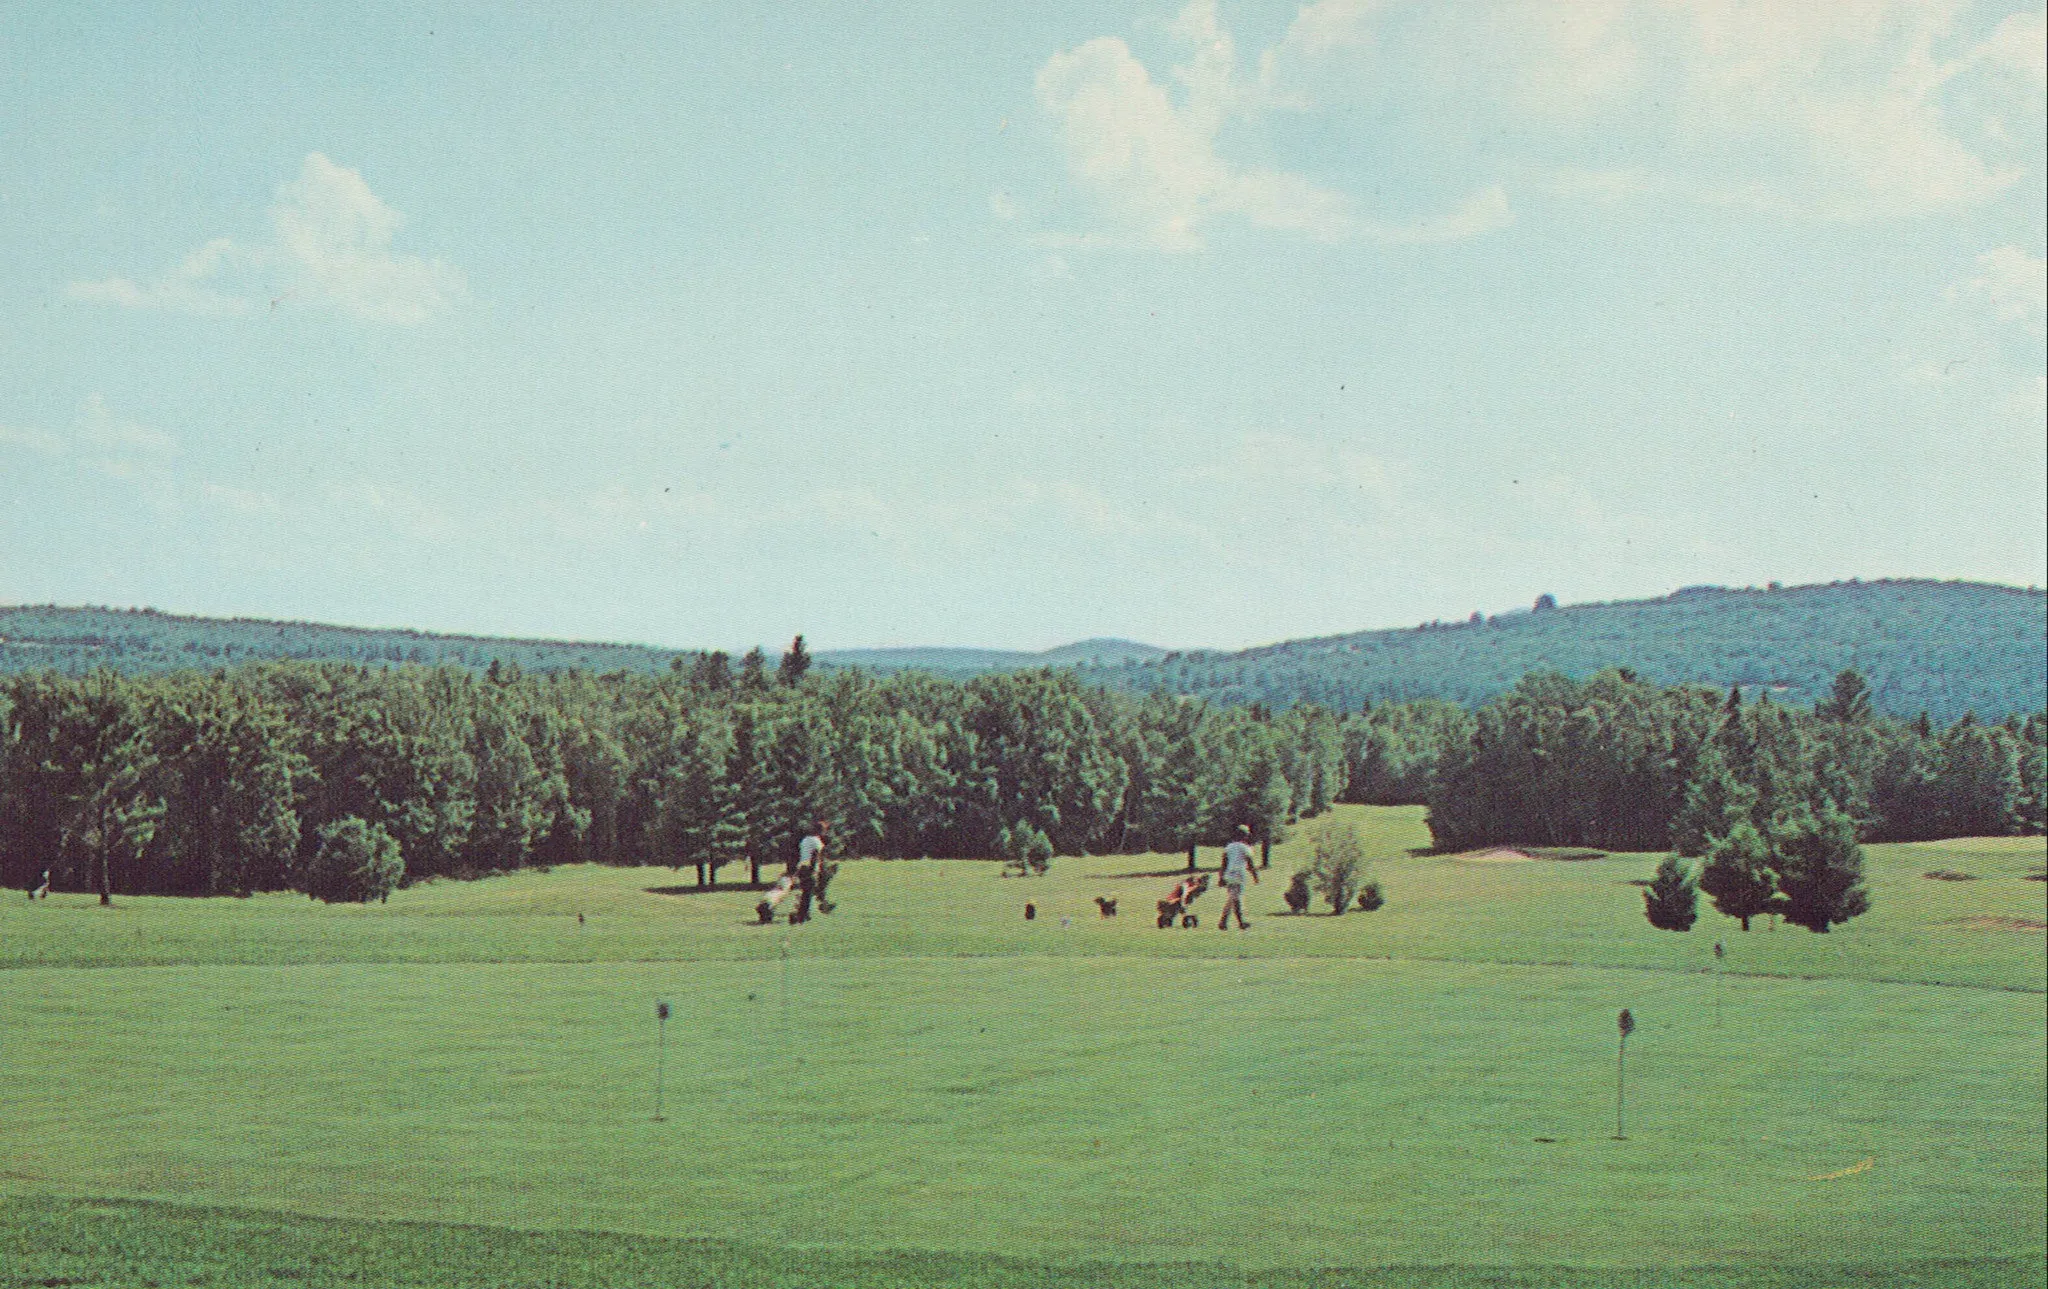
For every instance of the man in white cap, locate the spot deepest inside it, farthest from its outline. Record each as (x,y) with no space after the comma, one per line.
(1237,862)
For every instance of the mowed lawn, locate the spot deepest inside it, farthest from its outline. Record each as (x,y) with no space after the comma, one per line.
(923,1088)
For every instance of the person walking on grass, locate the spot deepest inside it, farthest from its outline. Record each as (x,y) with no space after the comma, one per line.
(810,862)
(1237,861)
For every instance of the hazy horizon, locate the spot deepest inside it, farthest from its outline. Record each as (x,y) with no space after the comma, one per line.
(1199,324)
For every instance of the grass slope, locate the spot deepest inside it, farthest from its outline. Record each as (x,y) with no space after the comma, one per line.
(116,1244)
(924,1089)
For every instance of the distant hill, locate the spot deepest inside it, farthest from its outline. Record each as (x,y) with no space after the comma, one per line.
(33,637)
(142,640)
(1100,653)
(1940,647)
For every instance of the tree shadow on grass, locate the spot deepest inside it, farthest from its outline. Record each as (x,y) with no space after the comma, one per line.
(723,888)
(1132,877)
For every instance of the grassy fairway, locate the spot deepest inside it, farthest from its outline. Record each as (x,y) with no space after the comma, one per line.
(927,1090)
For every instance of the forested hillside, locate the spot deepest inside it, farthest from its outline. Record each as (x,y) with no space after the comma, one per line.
(144,641)
(1082,653)
(1943,648)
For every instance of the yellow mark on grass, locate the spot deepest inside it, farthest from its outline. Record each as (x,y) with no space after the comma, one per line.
(1850,1171)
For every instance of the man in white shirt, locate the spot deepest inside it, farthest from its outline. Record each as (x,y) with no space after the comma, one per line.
(1237,862)
(810,861)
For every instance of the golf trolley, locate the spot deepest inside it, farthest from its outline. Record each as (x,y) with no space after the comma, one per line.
(1177,902)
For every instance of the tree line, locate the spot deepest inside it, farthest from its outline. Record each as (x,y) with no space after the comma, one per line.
(295,775)
(1773,800)
(264,777)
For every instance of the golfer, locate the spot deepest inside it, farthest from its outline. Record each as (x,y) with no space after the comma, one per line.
(810,860)
(1237,861)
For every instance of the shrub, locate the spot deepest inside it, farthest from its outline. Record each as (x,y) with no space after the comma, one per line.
(356,862)
(1371,898)
(1338,864)
(1672,900)
(1297,893)
(1024,848)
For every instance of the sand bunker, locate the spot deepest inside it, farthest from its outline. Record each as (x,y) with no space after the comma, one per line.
(2001,922)
(1527,855)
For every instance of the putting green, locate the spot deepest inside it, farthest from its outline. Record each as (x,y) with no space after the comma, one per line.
(1432,1085)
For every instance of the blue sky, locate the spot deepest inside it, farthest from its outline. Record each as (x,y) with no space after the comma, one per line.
(911,323)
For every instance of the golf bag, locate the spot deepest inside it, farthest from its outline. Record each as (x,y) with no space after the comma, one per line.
(765,910)
(1175,906)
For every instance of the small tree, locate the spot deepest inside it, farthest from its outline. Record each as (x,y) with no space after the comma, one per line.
(1819,866)
(1338,864)
(356,863)
(1371,899)
(1024,848)
(1738,874)
(1297,894)
(1672,900)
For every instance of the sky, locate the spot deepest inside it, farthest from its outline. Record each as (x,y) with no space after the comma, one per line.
(917,323)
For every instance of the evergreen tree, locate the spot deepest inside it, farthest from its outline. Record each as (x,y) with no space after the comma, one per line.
(747,812)
(2033,771)
(1849,701)
(355,862)
(1819,867)
(795,663)
(1978,782)
(711,673)
(1715,802)
(754,672)
(791,804)
(1737,875)
(1671,902)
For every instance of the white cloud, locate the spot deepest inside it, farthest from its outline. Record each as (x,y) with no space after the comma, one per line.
(2021,44)
(330,247)
(183,288)
(1153,162)
(40,442)
(99,428)
(2014,281)
(241,501)
(337,235)
(114,441)
(1832,110)
(1483,212)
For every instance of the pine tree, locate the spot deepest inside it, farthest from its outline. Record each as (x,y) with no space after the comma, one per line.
(754,671)
(711,673)
(1671,902)
(1819,867)
(1849,702)
(1737,874)
(1715,801)
(1978,783)
(795,663)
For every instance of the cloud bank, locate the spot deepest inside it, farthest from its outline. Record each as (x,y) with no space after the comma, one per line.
(1853,110)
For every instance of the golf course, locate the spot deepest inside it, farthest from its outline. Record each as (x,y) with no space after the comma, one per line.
(468,1084)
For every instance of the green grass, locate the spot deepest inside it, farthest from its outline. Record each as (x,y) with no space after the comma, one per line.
(923,1089)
